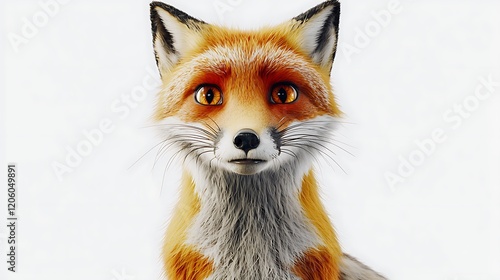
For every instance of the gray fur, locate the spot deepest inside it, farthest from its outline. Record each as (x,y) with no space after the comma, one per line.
(253,226)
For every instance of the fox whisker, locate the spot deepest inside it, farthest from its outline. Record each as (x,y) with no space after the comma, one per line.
(147,152)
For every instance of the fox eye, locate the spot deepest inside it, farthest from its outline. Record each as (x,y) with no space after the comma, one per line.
(209,95)
(284,93)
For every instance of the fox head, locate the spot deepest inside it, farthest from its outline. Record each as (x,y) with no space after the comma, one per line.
(246,101)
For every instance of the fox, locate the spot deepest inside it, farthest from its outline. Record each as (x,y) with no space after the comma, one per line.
(246,112)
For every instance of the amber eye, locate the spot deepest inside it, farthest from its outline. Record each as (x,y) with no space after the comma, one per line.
(283,93)
(209,95)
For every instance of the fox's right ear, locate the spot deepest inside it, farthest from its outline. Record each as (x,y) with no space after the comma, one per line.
(174,32)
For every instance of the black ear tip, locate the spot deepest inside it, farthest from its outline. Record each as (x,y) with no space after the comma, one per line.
(336,14)
(178,14)
(313,11)
(332,3)
(154,12)
(155,17)
(166,7)
(154,4)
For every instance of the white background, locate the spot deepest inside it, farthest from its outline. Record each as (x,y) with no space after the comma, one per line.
(105,220)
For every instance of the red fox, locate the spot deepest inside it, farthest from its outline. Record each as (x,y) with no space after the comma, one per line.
(248,111)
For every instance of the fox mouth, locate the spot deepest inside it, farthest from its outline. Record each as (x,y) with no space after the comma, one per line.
(247,161)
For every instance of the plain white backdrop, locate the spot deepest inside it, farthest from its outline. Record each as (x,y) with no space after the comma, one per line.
(78,66)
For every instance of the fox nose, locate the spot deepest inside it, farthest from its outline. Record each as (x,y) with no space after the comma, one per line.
(246,140)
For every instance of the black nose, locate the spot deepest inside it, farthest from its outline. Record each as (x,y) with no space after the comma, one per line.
(246,140)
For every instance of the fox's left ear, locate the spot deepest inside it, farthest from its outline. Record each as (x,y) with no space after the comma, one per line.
(174,33)
(318,29)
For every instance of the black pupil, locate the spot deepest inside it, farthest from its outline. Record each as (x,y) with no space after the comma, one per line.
(209,96)
(282,95)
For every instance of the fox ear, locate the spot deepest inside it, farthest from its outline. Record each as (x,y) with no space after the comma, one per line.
(319,32)
(173,32)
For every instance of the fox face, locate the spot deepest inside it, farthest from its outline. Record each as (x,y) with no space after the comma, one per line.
(246,101)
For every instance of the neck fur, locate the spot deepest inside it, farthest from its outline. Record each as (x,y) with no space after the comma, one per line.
(252,227)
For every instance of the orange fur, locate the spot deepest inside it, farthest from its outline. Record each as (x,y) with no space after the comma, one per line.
(331,252)
(317,264)
(181,261)
(249,76)
(186,263)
